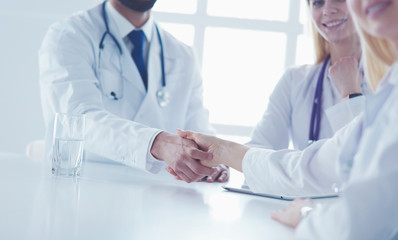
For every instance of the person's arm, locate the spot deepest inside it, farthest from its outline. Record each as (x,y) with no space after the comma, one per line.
(347,78)
(68,84)
(366,210)
(272,131)
(222,151)
(311,171)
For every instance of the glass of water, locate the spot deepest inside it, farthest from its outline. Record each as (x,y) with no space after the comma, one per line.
(68,144)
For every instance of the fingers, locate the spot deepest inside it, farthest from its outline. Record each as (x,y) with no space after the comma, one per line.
(186,134)
(217,172)
(199,154)
(198,168)
(224,176)
(277,215)
(221,174)
(193,170)
(182,176)
(171,171)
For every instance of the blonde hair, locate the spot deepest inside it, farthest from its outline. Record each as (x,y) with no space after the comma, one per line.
(320,44)
(378,55)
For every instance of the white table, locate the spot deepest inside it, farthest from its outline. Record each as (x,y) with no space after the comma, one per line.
(110,201)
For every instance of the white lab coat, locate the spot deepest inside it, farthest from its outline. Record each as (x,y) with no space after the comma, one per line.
(288,114)
(363,155)
(121,130)
(368,208)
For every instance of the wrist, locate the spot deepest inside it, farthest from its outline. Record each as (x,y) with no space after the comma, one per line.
(236,153)
(351,94)
(157,145)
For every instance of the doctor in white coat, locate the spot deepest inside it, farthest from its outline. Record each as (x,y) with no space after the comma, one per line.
(89,65)
(361,157)
(311,102)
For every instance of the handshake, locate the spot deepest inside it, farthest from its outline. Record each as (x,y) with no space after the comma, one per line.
(192,156)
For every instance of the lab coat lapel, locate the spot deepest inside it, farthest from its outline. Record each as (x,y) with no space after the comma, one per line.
(154,65)
(149,109)
(130,71)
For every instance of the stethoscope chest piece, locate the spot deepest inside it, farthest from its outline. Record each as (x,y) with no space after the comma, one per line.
(163,97)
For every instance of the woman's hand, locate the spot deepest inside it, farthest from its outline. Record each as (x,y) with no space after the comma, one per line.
(291,215)
(346,76)
(220,174)
(224,152)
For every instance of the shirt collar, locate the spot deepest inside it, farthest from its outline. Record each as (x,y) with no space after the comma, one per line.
(124,26)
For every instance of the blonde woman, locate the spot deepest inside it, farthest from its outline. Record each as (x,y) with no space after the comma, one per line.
(311,102)
(367,148)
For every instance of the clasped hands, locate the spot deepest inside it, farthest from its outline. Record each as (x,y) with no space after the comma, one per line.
(186,159)
(193,156)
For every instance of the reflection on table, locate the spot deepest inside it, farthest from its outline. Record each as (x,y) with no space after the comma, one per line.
(112,201)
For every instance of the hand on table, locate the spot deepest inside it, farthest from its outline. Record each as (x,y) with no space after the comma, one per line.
(291,215)
(220,174)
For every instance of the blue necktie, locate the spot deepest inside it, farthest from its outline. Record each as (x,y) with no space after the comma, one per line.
(137,37)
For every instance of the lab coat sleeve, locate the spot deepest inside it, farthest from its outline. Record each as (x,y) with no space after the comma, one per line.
(344,112)
(197,118)
(368,207)
(274,127)
(69,85)
(313,170)
(367,210)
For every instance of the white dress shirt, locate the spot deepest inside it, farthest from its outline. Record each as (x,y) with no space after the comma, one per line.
(125,27)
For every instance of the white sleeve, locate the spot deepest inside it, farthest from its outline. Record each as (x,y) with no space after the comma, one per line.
(273,129)
(342,113)
(366,210)
(313,170)
(69,85)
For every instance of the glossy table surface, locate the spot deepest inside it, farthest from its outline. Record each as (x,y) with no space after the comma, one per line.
(111,201)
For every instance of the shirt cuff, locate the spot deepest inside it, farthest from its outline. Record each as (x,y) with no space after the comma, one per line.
(344,112)
(153,165)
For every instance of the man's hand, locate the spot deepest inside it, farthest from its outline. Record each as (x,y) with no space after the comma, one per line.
(180,155)
(291,215)
(221,174)
(346,76)
(224,152)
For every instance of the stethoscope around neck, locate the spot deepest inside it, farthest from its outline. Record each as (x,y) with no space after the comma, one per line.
(162,96)
(315,124)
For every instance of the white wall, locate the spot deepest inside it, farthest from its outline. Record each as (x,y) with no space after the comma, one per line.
(23,24)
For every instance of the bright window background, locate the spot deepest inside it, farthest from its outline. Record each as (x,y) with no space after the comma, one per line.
(250,9)
(243,48)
